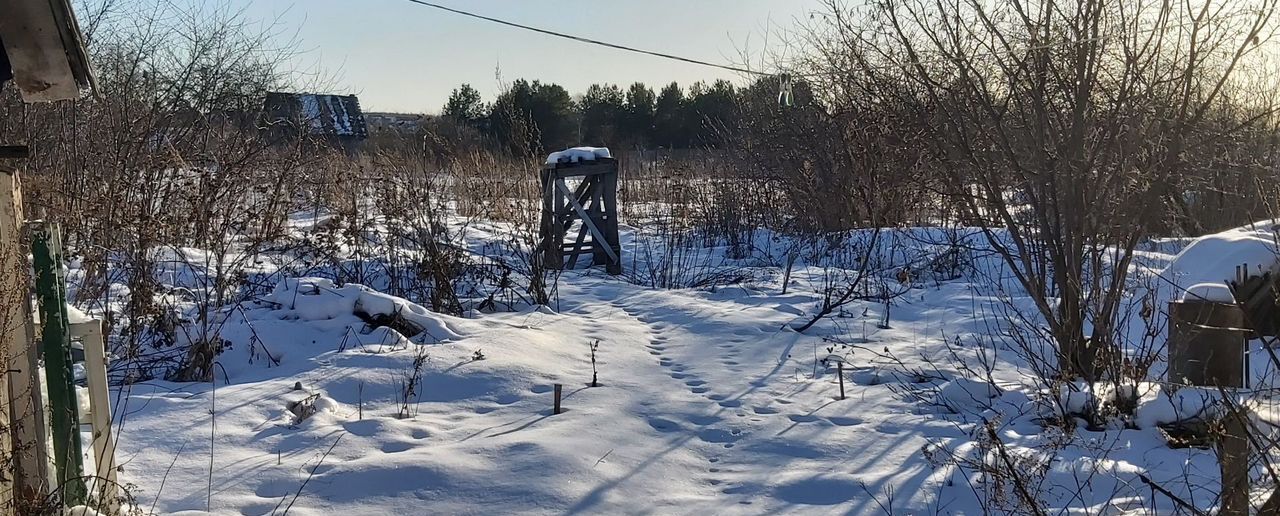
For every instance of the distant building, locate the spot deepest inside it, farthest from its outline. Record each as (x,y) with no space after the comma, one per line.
(335,120)
(396,123)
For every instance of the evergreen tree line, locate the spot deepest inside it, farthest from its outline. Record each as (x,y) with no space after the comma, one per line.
(532,117)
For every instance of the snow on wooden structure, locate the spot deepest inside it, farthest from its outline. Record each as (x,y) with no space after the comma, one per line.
(1239,265)
(593,204)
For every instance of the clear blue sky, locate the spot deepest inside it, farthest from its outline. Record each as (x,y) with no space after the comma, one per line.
(399,56)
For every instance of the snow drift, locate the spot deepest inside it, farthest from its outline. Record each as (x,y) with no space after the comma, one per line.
(1212,259)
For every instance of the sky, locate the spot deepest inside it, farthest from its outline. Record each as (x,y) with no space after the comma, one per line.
(399,56)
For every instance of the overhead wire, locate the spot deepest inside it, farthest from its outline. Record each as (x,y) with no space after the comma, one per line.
(786,78)
(581,39)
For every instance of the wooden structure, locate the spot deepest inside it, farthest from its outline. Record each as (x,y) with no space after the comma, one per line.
(16,410)
(592,204)
(1207,347)
(1207,339)
(43,54)
(18,344)
(1207,343)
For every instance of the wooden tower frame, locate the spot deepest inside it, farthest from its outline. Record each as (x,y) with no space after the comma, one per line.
(593,203)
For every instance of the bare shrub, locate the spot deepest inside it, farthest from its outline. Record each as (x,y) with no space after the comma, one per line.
(1066,129)
(411,384)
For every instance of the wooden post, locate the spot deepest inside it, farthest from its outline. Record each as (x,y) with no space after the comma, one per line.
(559,389)
(1207,347)
(1233,460)
(46,251)
(17,340)
(13,292)
(840,371)
(29,418)
(104,445)
(610,214)
(552,228)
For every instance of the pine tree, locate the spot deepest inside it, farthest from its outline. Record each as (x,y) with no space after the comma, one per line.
(638,125)
(668,119)
(464,105)
(602,115)
(531,118)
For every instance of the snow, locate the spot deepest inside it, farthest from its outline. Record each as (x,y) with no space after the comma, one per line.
(1213,259)
(966,392)
(695,413)
(76,316)
(1215,292)
(311,111)
(1160,405)
(709,402)
(577,154)
(319,299)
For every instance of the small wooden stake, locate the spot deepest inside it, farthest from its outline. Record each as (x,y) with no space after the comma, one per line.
(559,388)
(840,371)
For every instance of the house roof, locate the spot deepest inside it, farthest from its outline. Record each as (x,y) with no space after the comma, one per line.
(317,114)
(43,50)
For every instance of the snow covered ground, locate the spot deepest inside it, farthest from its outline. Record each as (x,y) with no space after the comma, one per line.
(709,402)
(705,403)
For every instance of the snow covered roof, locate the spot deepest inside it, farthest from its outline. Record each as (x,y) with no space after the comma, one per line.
(578,154)
(317,114)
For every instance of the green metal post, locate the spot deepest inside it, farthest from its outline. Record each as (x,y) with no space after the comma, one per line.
(46,253)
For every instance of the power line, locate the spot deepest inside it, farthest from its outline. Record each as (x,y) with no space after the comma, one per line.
(581,39)
(944,60)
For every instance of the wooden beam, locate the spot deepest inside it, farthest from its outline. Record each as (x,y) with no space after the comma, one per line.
(17,340)
(609,187)
(13,292)
(104,444)
(585,191)
(582,193)
(586,219)
(14,152)
(29,417)
(592,168)
(552,226)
